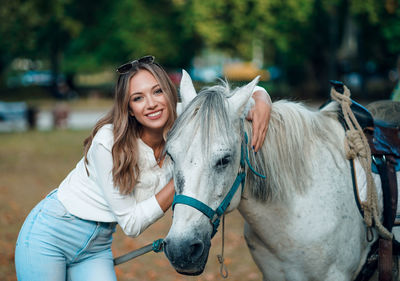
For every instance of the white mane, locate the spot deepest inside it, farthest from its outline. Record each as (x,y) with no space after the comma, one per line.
(209,113)
(285,156)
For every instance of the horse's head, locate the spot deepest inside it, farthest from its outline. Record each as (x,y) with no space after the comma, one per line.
(205,147)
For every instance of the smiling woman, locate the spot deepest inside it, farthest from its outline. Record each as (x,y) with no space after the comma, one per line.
(120,180)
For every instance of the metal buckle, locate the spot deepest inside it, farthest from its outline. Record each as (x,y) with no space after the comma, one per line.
(214,218)
(374,159)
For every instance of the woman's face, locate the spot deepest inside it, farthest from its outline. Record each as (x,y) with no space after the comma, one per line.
(147,102)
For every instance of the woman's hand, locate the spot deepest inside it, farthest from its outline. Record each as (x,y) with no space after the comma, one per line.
(166,196)
(259,114)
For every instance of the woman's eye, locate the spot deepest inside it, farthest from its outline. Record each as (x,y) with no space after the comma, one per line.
(158,91)
(137,98)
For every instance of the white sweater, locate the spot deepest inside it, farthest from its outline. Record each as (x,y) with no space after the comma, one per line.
(95,198)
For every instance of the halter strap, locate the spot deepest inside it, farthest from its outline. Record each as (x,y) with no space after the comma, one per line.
(248,161)
(214,216)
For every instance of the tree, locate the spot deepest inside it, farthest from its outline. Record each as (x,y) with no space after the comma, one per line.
(86,36)
(301,36)
(130,29)
(37,29)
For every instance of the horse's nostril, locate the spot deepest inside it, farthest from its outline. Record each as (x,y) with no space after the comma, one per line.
(196,250)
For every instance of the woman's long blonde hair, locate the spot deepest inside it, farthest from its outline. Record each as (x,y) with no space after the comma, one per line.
(126,129)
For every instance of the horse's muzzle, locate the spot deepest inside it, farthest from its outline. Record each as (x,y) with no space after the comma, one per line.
(188,256)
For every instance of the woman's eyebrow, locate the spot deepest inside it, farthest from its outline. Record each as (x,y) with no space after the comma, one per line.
(152,88)
(135,94)
(156,86)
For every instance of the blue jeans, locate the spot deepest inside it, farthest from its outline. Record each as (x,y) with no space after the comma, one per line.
(54,245)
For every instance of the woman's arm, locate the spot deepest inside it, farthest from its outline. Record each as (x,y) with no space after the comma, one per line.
(132,216)
(259,114)
(166,195)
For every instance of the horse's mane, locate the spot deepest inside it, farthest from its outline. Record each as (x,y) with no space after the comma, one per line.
(294,130)
(209,113)
(284,158)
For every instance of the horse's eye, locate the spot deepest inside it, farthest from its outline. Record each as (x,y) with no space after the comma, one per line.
(223,162)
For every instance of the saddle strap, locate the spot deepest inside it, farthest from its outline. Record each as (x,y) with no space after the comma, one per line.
(392,182)
(387,172)
(385,260)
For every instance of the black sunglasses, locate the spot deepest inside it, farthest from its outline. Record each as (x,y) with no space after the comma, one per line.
(125,68)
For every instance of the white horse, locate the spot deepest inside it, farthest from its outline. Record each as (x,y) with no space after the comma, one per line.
(301,222)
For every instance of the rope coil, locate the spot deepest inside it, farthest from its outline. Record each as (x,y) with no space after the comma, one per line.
(356,146)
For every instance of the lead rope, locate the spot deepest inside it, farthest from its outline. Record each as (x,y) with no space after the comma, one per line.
(223,270)
(356,146)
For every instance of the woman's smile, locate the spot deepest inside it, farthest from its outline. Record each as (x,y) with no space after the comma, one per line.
(155,115)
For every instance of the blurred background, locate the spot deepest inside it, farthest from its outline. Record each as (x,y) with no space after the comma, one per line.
(67,50)
(57,71)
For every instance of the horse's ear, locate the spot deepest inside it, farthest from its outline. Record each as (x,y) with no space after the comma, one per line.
(240,99)
(186,89)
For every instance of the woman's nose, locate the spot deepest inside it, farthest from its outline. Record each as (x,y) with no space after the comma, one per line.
(151,103)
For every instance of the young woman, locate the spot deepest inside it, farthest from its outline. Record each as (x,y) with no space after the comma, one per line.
(120,179)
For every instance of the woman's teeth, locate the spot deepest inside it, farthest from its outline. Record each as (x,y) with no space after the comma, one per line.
(154,114)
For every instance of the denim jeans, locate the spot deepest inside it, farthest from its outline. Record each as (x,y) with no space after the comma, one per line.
(54,245)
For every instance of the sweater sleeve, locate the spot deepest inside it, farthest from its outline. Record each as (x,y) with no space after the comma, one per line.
(259,88)
(132,216)
(250,104)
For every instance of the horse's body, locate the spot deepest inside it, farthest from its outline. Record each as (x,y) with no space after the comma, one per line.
(301,222)
(316,234)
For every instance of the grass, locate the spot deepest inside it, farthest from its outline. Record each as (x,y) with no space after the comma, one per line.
(34,163)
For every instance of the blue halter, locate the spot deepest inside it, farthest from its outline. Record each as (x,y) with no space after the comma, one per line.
(215,215)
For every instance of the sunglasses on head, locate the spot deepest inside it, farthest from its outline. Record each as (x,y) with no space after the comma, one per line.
(125,68)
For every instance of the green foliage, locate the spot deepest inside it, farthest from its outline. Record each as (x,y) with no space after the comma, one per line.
(119,31)
(34,27)
(233,25)
(87,36)
(391,30)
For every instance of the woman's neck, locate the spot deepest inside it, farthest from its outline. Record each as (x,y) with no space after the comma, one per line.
(153,139)
(156,142)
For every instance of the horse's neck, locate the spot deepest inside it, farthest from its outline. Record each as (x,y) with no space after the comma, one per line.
(294,134)
(328,172)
